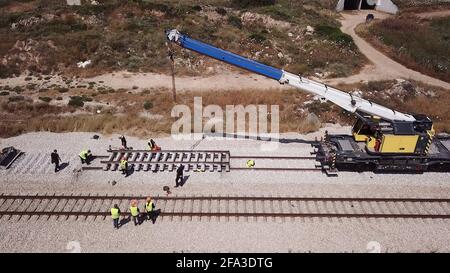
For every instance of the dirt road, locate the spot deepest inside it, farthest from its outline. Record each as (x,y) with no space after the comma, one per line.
(223,81)
(381,67)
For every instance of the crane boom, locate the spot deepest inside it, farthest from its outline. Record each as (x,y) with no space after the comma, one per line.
(345,100)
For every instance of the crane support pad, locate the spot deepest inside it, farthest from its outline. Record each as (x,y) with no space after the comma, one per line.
(230,58)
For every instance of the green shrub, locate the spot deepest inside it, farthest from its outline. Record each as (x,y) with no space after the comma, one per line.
(63,89)
(252,3)
(31,86)
(257,37)
(334,34)
(76,101)
(318,107)
(378,85)
(17,89)
(8,70)
(280,12)
(28,78)
(4,93)
(85,98)
(148,105)
(298,68)
(221,11)
(59,98)
(235,21)
(55,27)
(16,98)
(45,99)
(7,18)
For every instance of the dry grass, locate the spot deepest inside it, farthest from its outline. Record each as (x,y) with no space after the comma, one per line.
(422,45)
(126,107)
(121,111)
(420,5)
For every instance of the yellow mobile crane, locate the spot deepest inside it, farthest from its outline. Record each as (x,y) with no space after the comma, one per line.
(382,138)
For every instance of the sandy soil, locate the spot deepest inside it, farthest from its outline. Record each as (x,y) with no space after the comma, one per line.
(382,67)
(227,80)
(33,174)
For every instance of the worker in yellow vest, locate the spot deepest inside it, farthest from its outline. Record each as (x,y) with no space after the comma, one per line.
(134,211)
(250,163)
(115,215)
(149,207)
(124,166)
(85,156)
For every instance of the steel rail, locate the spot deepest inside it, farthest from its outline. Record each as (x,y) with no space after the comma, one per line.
(246,198)
(192,213)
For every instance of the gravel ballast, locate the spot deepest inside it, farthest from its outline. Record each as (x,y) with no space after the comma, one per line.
(33,174)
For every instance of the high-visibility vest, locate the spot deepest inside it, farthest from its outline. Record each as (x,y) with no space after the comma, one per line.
(83,154)
(134,211)
(123,164)
(149,206)
(250,163)
(115,213)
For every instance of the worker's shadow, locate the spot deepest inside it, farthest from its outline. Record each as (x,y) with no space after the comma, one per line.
(260,138)
(154,216)
(124,221)
(141,218)
(63,166)
(130,171)
(184,180)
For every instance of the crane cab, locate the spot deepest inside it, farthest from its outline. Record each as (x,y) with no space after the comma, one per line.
(396,137)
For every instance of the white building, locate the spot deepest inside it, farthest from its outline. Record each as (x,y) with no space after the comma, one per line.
(381,5)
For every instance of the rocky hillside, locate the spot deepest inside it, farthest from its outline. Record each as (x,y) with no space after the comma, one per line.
(49,36)
(418,3)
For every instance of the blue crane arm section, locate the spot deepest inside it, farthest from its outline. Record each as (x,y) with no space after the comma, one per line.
(230,58)
(338,97)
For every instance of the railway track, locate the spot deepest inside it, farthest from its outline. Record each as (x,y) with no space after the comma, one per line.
(144,160)
(226,207)
(276,163)
(213,161)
